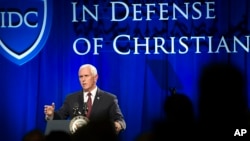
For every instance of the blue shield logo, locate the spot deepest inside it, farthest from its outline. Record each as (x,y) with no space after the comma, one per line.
(24,28)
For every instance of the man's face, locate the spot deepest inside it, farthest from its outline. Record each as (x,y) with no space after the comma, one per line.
(87,79)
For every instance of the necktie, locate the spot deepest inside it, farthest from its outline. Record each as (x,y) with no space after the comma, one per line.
(89,104)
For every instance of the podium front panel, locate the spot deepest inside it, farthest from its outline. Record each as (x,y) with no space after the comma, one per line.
(57,125)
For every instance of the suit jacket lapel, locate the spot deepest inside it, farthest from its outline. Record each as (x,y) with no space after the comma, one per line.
(97,100)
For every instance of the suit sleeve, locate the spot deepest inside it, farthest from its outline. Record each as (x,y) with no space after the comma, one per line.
(116,113)
(63,112)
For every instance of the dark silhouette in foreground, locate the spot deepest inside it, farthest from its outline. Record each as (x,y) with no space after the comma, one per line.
(58,136)
(96,130)
(222,101)
(178,124)
(34,135)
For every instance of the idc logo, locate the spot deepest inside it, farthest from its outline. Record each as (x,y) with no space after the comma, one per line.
(24,28)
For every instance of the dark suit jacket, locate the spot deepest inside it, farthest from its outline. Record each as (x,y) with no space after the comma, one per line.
(105,106)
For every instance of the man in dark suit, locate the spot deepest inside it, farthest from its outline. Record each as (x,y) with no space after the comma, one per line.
(104,104)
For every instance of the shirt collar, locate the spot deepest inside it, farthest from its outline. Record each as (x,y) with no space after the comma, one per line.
(93,93)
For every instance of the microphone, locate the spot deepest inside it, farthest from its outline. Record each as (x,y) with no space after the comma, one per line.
(76,110)
(172,90)
(85,108)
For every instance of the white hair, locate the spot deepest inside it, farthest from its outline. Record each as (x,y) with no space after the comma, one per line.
(93,69)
